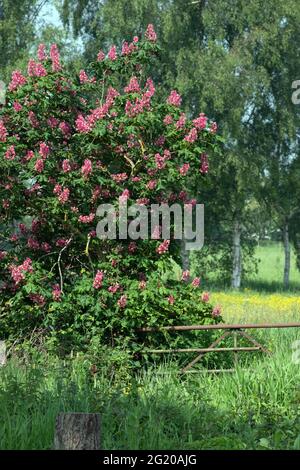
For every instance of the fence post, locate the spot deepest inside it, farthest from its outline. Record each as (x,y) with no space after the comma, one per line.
(77,431)
(2,353)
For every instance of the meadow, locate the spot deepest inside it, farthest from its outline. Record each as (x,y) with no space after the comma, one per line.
(255,407)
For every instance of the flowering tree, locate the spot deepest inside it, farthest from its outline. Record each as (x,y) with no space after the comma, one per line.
(67,144)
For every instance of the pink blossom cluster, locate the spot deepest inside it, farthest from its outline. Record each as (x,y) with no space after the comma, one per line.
(204,164)
(17,106)
(133,86)
(66,167)
(39,165)
(196,282)
(119,177)
(168,119)
(213,127)
(3,131)
(140,104)
(185,275)
(33,119)
(112,53)
(181,121)
(44,150)
(192,135)
(174,98)
(200,122)
(217,311)
(10,153)
(100,56)
(33,244)
(56,293)
(205,297)
(17,80)
(64,196)
(86,219)
(125,195)
(184,169)
(122,301)
(171,299)
(129,48)
(35,69)
(86,168)
(54,56)
(98,280)
(114,288)
(37,299)
(41,53)
(18,272)
(163,247)
(150,34)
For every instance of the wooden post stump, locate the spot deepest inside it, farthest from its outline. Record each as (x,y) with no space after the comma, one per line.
(77,431)
(2,353)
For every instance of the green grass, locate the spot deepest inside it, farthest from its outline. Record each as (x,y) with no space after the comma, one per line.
(256,407)
(270,269)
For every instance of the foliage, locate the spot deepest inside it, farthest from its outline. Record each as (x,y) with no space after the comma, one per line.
(67,144)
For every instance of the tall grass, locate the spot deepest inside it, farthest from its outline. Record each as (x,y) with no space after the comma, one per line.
(255,407)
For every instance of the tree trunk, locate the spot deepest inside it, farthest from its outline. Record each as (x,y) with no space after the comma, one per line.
(185,256)
(77,431)
(237,255)
(2,353)
(287,256)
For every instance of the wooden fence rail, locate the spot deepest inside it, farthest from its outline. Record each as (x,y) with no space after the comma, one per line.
(236,329)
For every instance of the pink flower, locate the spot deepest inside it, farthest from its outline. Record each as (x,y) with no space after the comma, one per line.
(163,247)
(196,282)
(150,34)
(3,254)
(5,204)
(192,135)
(61,242)
(36,69)
(174,98)
(205,297)
(135,39)
(52,122)
(86,168)
(65,128)
(119,177)
(54,55)
(160,161)
(98,279)
(113,289)
(33,244)
(181,122)
(37,299)
(142,285)
(204,164)
(200,122)
(17,106)
(33,119)
(3,131)
(83,78)
(112,54)
(86,219)
(213,128)
(143,201)
(168,119)
(122,301)
(132,247)
(56,293)
(10,153)
(64,196)
(171,299)
(41,54)
(133,86)
(17,80)
(184,169)
(57,189)
(46,247)
(152,184)
(125,195)
(217,311)
(100,56)
(185,276)
(82,125)
(39,165)
(66,166)
(44,150)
